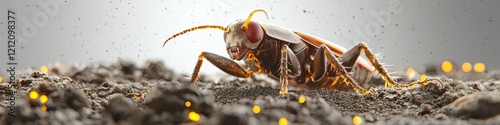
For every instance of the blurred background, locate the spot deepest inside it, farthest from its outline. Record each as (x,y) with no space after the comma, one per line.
(408,33)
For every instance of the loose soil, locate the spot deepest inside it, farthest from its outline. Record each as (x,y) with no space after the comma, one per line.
(124,93)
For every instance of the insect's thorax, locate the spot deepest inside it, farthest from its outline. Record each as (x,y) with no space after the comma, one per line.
(266,57)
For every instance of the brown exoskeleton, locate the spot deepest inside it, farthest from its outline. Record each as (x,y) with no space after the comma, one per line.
(290,56)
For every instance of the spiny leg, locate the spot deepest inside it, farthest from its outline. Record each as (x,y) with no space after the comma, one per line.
(223,63)
(341,71)
(385,75)
(284,70)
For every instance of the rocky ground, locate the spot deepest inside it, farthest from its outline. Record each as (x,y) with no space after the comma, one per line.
(124,93)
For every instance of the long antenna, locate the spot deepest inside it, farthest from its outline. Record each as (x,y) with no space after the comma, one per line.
(245,25)
(198,28)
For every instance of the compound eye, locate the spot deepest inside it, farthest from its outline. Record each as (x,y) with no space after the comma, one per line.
(254,32)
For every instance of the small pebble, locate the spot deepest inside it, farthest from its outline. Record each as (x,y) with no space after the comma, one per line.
(369,118)
(424,109)
(441,116)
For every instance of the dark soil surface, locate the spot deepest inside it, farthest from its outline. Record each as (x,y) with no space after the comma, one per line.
(124,93)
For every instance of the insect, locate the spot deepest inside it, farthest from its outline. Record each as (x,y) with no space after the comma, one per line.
(290,57)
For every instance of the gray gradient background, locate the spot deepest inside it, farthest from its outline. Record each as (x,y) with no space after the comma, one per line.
(424,32)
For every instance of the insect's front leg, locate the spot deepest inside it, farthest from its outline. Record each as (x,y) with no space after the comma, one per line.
(225,64)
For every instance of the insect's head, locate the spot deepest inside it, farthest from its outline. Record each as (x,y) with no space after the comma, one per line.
(241,36)
(245,35)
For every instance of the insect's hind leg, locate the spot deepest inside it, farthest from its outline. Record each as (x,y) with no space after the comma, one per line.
(383,72)
(341,71)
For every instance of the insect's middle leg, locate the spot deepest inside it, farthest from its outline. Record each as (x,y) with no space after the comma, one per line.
(223,63)
(362,47)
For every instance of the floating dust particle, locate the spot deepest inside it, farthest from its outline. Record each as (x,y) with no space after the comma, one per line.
(423,77)
(446,66)
(283,121)
(466,67)
(256,109)
(410,72)
(479,67)
(357,120)
(44,99)
(57,64)
(187,104)
(44,108)
(302,99)
(33,95)
(193,116)
(44,69)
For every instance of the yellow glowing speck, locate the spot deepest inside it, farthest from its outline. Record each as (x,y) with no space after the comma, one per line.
(302,99)
(193,116)
(44,99)
(479,67)
(423,77)
(412,86)
(187,104)
(256,109)
(466,67)
(57,64)
(44,69)
(357,120)
(410,71)
(1,79)
(44,108)
(33,95)
(447,66)
(283,121)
